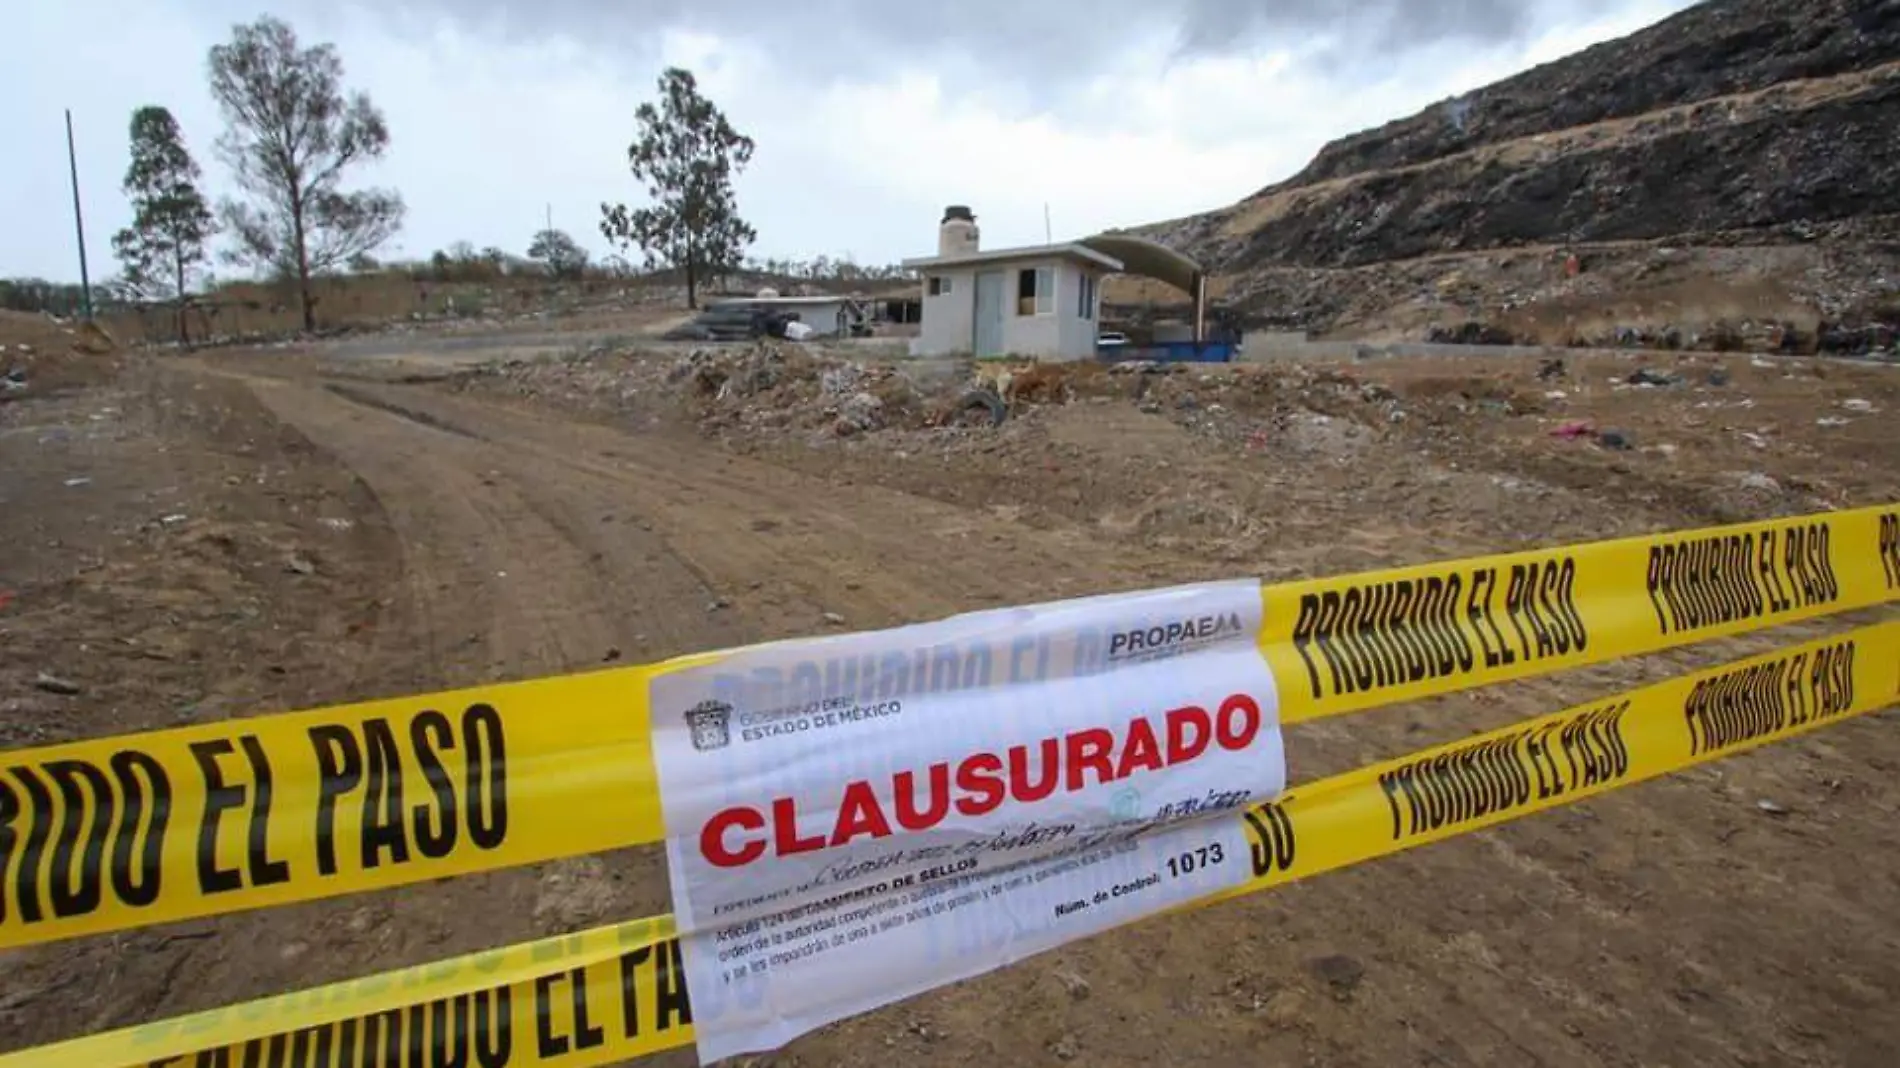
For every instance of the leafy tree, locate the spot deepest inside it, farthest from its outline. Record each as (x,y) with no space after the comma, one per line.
(290,134)
(161,252)
(686,155)
(564,257)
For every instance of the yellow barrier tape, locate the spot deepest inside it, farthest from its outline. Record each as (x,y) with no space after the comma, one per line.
(1344,644)
(1571,755)
(151,828)
(604,995)
(618,992)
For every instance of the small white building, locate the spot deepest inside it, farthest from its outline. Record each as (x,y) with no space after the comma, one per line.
(1037,300)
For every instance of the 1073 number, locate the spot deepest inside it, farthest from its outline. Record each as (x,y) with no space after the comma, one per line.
(1194,860)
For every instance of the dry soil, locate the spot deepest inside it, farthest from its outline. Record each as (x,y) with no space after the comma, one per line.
(202,538)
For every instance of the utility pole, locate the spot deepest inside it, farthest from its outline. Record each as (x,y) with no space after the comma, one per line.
(1048,232)
(550,224)
(79,219)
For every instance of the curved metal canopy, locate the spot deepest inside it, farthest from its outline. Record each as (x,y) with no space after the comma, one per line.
(1150,259)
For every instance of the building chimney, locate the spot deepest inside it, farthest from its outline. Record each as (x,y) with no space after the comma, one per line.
(957,234)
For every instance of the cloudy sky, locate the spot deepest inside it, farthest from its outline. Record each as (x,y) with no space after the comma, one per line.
(870,115)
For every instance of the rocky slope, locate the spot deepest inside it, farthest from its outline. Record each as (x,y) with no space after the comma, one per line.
(1743,142)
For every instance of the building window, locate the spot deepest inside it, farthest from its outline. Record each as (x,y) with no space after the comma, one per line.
(1085,298)
(940,285)
(1036,291)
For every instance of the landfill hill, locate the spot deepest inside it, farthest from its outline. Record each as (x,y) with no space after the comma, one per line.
(1726,174)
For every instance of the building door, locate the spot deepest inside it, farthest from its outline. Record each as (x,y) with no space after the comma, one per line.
(989,313)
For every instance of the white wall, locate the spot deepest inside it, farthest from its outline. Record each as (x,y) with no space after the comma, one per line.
(949,324)
(1078,335)
(1031,335)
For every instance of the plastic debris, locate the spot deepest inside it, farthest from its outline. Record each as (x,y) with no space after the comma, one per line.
(1643,376)
(55,685)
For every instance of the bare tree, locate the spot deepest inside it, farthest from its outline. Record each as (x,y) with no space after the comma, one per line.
(686,154)
(164,247)
(290,134)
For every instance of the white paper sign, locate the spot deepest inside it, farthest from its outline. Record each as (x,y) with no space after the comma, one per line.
(758,985)
(914,764)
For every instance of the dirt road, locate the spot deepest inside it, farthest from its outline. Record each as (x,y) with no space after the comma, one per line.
(339,537)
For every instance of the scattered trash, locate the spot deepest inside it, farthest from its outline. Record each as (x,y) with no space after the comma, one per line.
(173,519)
(1755,480)
(1574,430)
(338,524)
(797,331)
(1551,368)
(14,380)
(6,598)
(1643,376)
(717,603)
(55,685)
(1077,986)
(838,381)
(1831,420)
(858,413)
(1855,404)
(612,654)
(834,619)
(1719,377)
(1621,440)
(1771,808)
(1754,439)
(1556,394)
(75,483)
(300,565)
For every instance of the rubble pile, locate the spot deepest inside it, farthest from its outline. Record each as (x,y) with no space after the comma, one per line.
(1186,456)
(763,385)
(768,385)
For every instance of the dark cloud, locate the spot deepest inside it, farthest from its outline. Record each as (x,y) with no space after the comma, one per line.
(1035,45)
(1212,27)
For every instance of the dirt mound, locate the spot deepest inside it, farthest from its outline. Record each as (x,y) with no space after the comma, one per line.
(780,386)
(1744,137)
(41,353)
